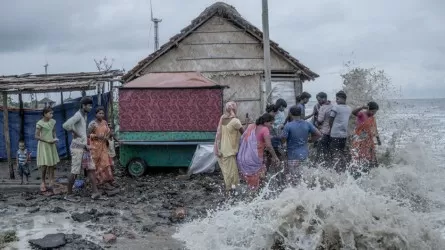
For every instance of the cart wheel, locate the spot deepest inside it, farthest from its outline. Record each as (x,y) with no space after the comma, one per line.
(136,167)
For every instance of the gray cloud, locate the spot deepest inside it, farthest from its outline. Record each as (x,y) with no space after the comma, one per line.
(406,38)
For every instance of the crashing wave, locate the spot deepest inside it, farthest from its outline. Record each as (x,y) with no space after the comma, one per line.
(383,210)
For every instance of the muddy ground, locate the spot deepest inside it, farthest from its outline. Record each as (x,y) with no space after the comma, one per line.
(142,213)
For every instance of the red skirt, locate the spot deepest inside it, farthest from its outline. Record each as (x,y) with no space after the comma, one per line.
(253,181)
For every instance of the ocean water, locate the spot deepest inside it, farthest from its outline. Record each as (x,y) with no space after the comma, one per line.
(397,206)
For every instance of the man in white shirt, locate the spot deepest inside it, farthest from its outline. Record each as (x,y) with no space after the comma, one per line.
(77,125)
(339,122)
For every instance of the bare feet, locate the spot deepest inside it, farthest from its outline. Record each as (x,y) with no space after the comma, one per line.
(108,186)
(98,196)
(71,197)
(43,187)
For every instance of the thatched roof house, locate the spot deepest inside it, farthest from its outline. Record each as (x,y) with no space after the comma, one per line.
(225,47)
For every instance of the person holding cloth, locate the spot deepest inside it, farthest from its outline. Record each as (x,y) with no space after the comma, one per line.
(77,125)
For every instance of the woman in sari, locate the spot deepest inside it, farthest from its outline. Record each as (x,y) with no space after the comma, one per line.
(98,134)
(363,146)
(250,157)
(227,144)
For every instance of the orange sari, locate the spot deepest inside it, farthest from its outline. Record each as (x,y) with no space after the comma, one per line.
(99,150)
(363,146)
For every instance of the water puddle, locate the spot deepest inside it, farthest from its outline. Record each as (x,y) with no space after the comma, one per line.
(29,226)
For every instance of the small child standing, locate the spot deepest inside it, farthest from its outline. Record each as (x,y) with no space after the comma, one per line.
(23,159)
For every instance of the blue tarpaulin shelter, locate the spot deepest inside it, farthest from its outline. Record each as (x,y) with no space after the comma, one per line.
(31,118)
(21,123)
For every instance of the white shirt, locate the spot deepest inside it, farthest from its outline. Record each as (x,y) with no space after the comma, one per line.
(78,124)
(341,114)
(324,114)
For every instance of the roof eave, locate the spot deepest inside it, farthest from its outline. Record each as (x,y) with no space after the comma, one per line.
(132,74)
(158,88)
(143,64)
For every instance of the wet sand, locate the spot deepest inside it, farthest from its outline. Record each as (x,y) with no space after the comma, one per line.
(143,214)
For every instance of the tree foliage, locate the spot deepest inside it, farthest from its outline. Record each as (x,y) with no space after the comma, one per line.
(10,102)
(104,64)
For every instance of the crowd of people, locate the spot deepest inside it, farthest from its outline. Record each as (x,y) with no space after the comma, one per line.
(92,150)
(274,142)
(279,141)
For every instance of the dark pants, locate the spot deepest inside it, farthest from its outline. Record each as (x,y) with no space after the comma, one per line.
(323,151)
(268,158)
(338,152)
(23,170)
(274,169)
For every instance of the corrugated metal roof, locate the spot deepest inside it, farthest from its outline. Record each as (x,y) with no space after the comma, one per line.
(172,81)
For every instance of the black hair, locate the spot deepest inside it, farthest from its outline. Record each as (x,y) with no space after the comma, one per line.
(295,111)
(341,94)
(281,103)
(264,118)
(373,106)
(100,108)
(86,100)
(46,110)
(22,140)
(272,108)
(303,95)
(322,95)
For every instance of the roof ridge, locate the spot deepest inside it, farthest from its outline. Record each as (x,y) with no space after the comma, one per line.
(230,13)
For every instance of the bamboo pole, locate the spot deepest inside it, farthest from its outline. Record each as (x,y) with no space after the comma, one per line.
(266,48)
(103,87)
(22,118)
(111,116)
(298,87)
(99,94)
(67,144)
(6,135)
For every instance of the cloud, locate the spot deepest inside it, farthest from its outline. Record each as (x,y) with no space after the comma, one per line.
(405,38)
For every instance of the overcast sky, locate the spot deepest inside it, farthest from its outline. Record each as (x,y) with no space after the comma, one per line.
(406,38)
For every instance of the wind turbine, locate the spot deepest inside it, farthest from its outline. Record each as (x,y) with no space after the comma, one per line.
(46,68)
(156,22)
